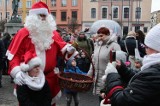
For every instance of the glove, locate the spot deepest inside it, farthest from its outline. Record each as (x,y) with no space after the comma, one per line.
(19,79)
(70,49)
(111,68)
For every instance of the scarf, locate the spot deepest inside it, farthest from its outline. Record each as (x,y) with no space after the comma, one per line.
(35,83)
(150,60)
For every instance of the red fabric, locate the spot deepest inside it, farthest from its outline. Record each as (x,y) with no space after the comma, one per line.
(107,101)
(17,40)
(40,4)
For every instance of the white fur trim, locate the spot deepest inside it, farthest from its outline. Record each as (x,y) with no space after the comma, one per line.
(34,61)
(38,11)
(72,56)
(64,49)
(15,70)
(9,55)
(56,98)
(24,67)
(101,104)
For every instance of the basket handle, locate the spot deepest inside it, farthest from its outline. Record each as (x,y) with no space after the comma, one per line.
(90,59)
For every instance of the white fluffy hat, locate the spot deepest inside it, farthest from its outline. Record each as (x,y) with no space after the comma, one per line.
(152,39)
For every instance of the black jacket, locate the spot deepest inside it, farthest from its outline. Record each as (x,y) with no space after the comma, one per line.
(131,45)
(142,90)
(2,54)
(28,97)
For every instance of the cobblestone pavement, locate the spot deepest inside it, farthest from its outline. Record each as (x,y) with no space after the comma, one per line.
(8,99)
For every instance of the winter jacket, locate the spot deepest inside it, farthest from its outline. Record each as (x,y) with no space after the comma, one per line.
(131,45)
(100,60)
(28,97)
(142,89)
(71,69)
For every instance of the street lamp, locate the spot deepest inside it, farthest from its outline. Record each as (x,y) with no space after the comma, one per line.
(68,18)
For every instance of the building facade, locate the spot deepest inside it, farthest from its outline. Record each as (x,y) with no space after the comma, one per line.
(67,13)
(130,14)
(5,9)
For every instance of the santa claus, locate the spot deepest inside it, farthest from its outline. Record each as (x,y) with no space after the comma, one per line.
(39,36)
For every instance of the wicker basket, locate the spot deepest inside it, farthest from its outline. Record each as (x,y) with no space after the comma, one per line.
(76,82)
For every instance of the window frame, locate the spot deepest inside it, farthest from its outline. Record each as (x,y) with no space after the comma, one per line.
(124,12)
(93,13)
(113,12)
(102,12)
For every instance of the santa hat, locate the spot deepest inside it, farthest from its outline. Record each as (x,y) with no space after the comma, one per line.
(30,61)
(39,8)
(152,38)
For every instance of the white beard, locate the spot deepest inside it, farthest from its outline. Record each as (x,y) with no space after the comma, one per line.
(41,32)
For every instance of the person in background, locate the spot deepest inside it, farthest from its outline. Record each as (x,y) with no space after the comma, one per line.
(6,39)
(129,44)
(35,91)
(101,56)
(39,35)
(2,58)
(85,44)
(71,67)
(143,87)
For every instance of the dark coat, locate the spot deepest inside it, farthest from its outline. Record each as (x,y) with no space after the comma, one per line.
(2,54)
(142,90)
(131,45)
(28,97)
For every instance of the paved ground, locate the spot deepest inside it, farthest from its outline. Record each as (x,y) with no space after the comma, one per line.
(8,99)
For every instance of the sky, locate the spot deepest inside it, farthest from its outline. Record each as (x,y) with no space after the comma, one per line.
(155,5)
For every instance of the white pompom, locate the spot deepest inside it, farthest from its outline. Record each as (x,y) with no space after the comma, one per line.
(24,67)
(104,78)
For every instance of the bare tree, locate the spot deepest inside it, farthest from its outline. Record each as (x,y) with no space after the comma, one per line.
(73,24)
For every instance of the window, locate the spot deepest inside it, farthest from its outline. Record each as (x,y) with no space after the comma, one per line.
(145,29)
(74,2)
(63,16)
(8,15)
(54,14)
(104,12)
(138,13)
(137,28)
(126,12)
(37,0)
(0,15)
(7,2)
(93,12)
(63,3)
(20,4)
(53,2)
(28,4)
(115,12)
(74,15)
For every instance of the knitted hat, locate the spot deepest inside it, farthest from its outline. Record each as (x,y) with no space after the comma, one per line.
(152,38)
(30,61)
(39,8)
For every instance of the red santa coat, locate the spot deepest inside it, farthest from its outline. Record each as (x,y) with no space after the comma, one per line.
(22,43)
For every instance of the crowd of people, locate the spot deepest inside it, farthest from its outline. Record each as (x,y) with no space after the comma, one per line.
(32,56)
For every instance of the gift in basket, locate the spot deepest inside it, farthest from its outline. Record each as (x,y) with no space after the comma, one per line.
(74,81)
